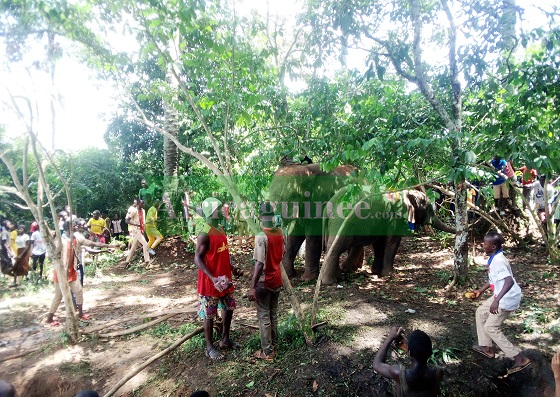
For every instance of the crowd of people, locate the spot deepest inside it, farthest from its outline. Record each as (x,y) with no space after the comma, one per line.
(216,289)
(537,193)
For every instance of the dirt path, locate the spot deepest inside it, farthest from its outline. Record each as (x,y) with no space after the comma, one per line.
(359,310)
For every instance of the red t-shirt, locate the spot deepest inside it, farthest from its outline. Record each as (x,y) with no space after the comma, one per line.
(528,176)
(217,262)
(274,252)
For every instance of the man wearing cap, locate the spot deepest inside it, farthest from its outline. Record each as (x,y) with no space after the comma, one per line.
(267,281)
(135,218)
(214,278)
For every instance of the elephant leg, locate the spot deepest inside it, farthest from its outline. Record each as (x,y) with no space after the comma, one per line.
(378,255)
(391,247)
(332,272)
(354,260)
(292,246)
(313,248)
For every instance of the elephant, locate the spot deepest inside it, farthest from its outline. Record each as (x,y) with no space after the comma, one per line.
(377,219)
(300,192)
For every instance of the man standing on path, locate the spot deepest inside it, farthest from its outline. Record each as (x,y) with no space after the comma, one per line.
(72,243)
(154,235)
(135,219)
(505,299)
(214,278)
(267,281)
(95,225)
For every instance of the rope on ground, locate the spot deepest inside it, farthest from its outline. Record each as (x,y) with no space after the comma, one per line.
(135,371)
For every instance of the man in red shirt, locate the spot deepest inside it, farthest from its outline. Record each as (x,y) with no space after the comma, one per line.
(267,281)
(528,176)
(214,278)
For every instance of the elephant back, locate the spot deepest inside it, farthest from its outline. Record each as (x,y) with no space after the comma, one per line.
(300,193)
(369,214)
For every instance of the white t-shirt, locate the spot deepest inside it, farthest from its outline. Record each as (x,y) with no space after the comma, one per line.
(116,225)
(537,195)
(498,270)
(39,247)
(135,219)
(21,240)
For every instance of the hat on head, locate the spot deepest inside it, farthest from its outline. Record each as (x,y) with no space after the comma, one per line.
(209,206)
(34,227)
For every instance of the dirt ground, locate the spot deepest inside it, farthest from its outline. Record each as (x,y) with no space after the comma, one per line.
(359,311)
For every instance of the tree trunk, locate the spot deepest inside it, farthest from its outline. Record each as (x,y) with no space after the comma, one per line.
(170,151)
(460,251)
(55,254)
(507,27)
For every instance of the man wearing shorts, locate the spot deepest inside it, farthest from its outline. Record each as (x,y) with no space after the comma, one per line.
(214,278)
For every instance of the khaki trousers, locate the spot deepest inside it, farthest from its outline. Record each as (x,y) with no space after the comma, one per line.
(267,314)
(488,329)
(138,237)
(76,288)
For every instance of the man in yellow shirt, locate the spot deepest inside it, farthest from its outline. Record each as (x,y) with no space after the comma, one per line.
(95,226)
(154,235)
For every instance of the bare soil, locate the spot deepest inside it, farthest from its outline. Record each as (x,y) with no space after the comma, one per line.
(360,310)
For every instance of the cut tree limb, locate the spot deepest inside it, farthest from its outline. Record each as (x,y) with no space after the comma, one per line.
(138,328)
(20,354)
(133,372)
(109,324)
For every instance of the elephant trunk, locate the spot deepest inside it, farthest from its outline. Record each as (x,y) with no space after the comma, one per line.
(438,224)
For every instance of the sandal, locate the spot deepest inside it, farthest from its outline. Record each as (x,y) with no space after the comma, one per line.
(54,323)
(214,354)
(261,355)
(480,350)
(518,368)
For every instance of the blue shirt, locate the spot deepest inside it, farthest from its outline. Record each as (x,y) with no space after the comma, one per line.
(499,165)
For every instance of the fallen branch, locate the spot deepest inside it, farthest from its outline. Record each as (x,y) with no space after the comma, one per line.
(142,317)
(138,328)
(318,326)
(448,289)
(133,372)
(17,355)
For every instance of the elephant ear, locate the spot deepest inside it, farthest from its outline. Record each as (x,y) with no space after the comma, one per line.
(409,205)
(415,199)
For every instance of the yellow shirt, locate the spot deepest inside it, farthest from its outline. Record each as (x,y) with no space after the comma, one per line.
(13,236)
(96,225)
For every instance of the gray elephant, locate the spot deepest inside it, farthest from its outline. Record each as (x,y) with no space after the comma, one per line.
(379,220)
(299,193)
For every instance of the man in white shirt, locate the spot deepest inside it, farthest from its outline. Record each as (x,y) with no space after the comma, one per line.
(505,298)
(135,218)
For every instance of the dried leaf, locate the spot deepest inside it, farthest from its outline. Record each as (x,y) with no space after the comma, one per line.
(315,385)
